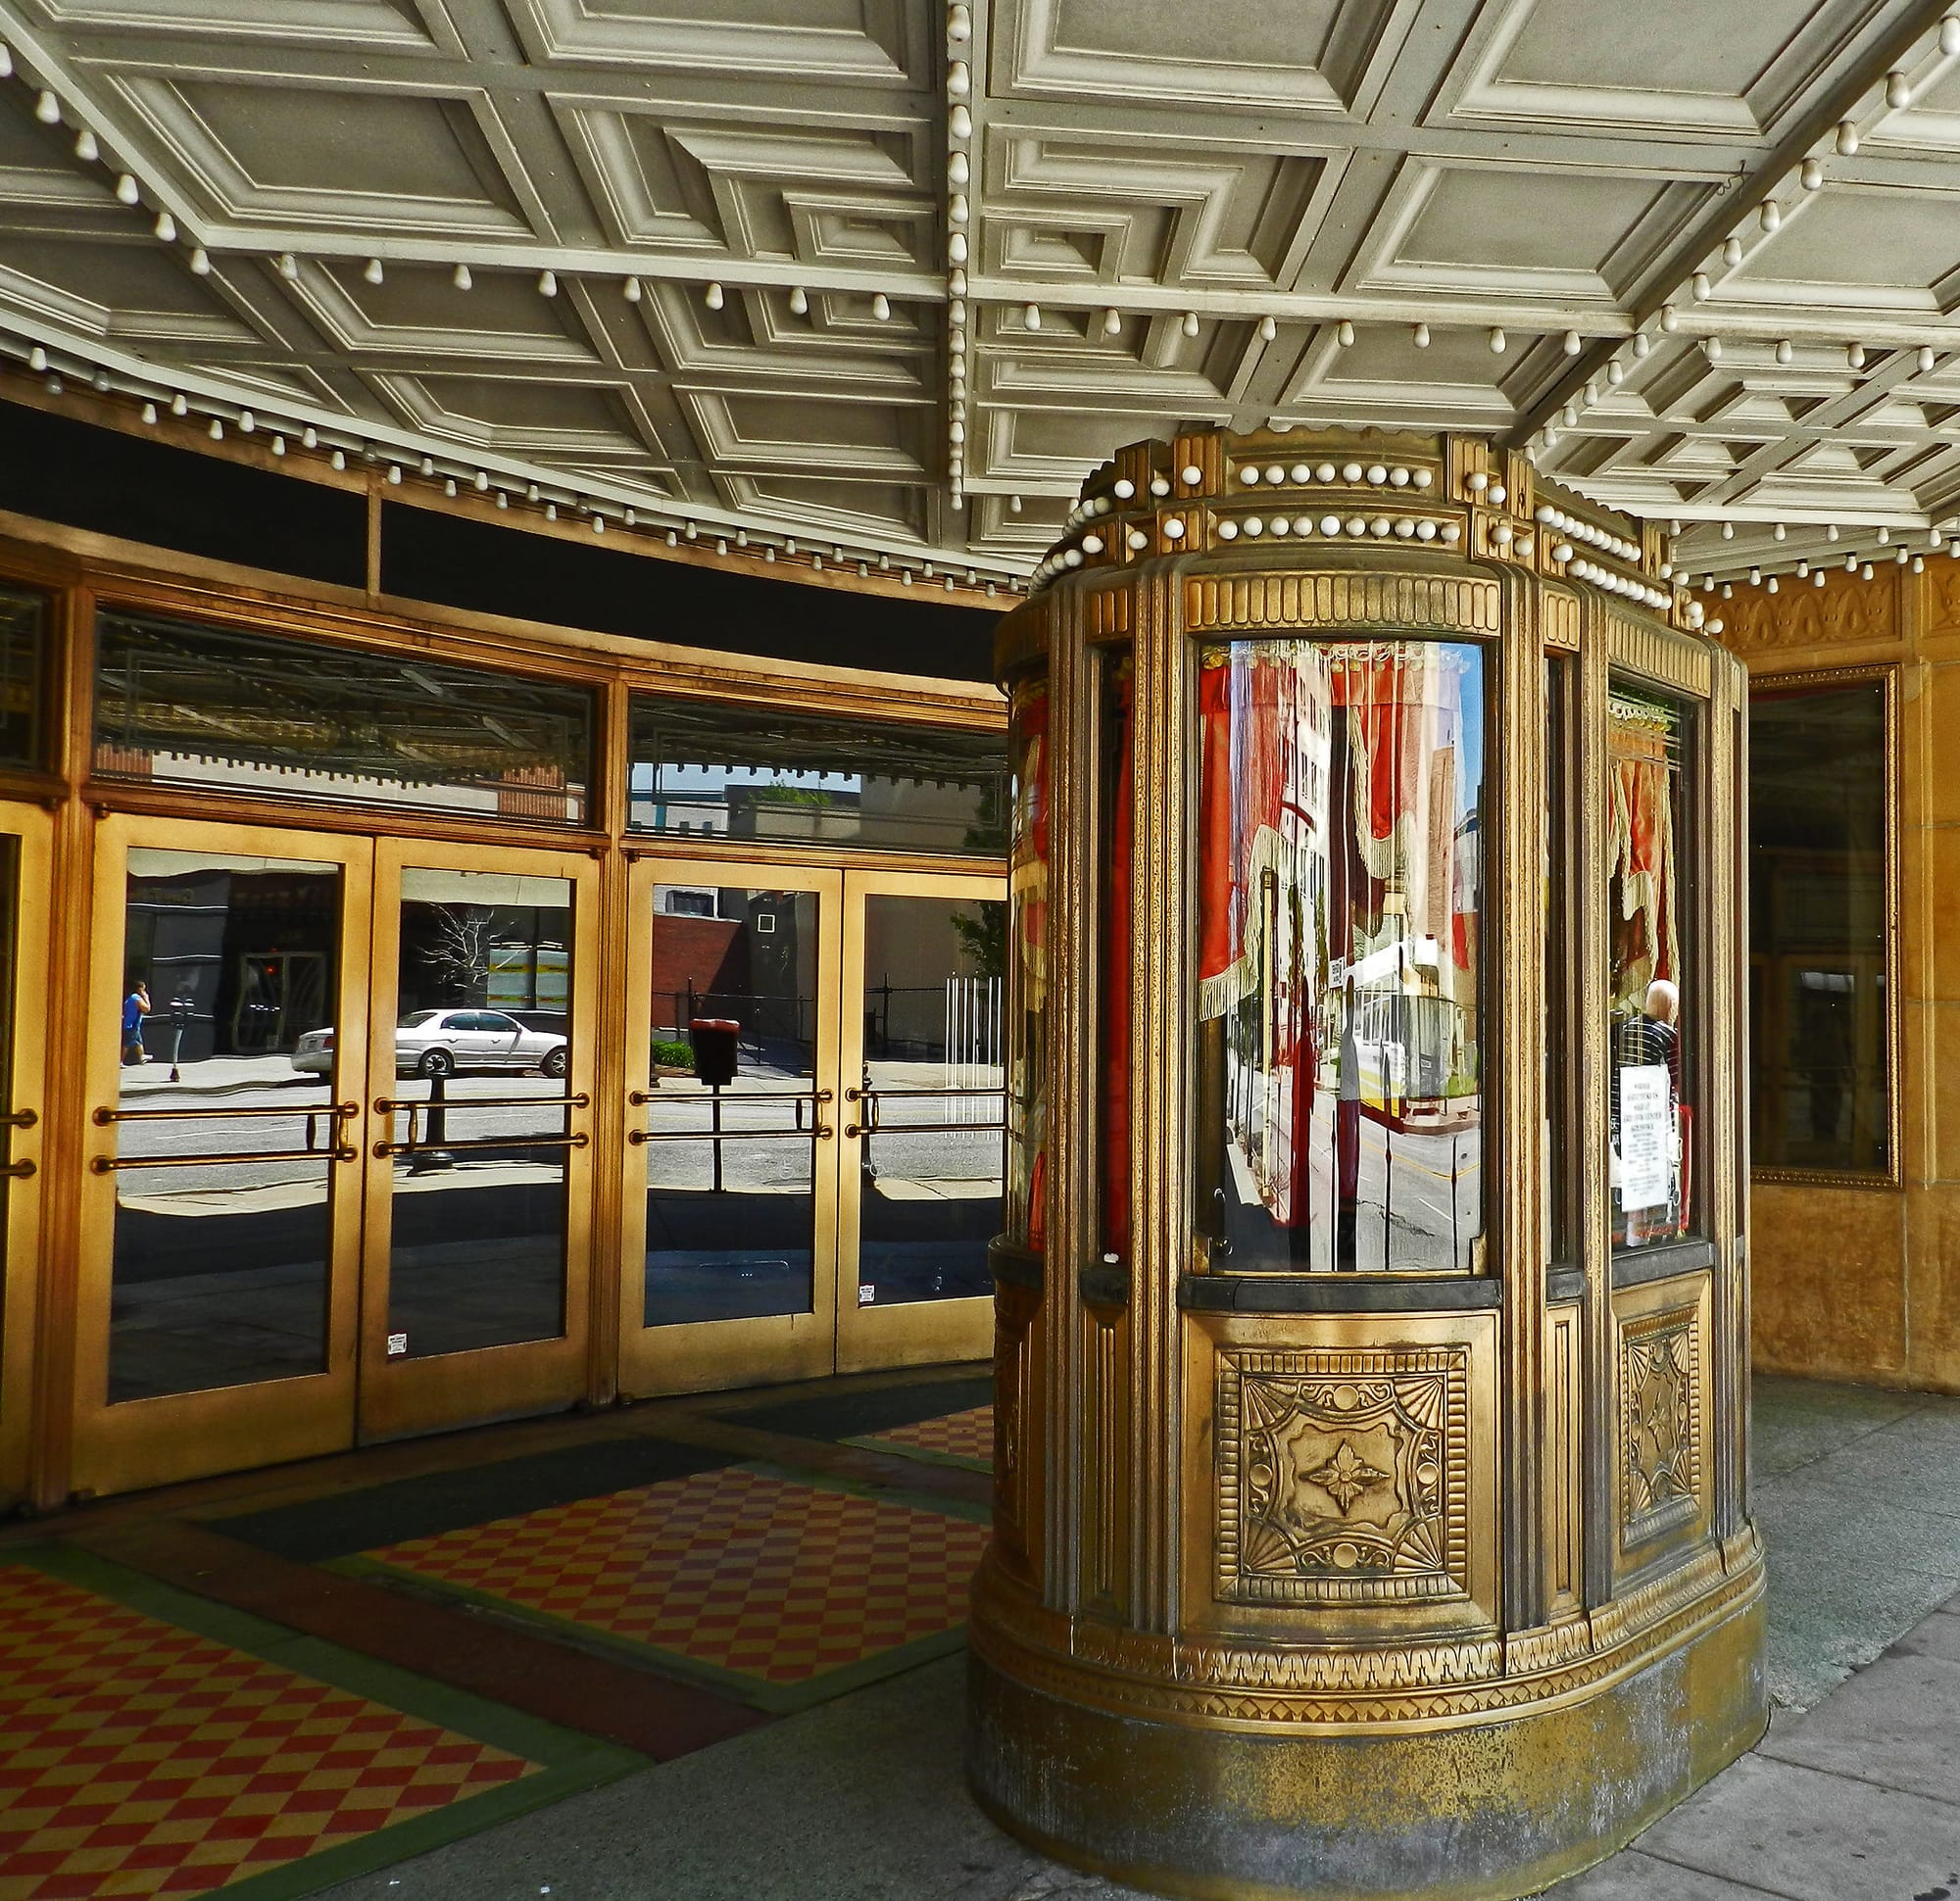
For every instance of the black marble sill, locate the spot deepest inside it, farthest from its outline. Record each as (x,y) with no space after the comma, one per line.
(1336,1294)
(1635,1267)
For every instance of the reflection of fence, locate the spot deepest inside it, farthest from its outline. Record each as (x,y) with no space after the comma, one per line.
(973,1048)
(764,1019)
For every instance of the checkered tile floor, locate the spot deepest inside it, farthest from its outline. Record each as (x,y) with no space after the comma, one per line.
(960,1436)
(139,1759)
(740,1570)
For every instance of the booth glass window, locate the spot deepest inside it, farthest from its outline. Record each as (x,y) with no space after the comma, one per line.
(1118,835)
(719,771)
(1340,914)
(1559,1055)
(23,635)
(1027,965)
(182,704)
(1652,992)
(1819,862)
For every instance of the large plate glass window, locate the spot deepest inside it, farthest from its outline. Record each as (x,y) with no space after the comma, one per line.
(1340,905)
(23,627)
(1654,991)
(1819,885)
(706,769)
(182,704)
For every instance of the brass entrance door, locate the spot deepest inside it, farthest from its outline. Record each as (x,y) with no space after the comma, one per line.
(474,1294)
(337,1163)
(813,1111)
(919,1194)
(220,1220)
(24,938)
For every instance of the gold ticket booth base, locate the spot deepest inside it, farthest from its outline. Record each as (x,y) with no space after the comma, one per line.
(1371,1336)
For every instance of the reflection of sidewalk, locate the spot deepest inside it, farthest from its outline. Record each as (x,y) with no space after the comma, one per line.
(216,1075)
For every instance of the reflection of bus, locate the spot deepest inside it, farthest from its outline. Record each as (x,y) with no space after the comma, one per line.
(1413,1043)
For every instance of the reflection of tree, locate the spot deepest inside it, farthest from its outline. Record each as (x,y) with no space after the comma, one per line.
(984,940)
(458,952)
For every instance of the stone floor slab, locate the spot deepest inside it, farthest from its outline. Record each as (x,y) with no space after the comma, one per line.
(1634,1877)
(1892,1725)
(1811,1836)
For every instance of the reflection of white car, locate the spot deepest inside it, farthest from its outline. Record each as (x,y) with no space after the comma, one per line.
(440,1042)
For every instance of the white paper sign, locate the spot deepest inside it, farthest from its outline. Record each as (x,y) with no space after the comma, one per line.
(1647,1145)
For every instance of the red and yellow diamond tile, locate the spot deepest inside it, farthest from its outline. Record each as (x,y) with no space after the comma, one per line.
(734,1568)
(141,1759)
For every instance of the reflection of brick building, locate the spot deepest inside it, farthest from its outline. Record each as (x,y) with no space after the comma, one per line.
(695,957)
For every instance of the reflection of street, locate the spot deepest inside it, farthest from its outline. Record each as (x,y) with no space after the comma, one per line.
(220,1267)
(930,1200)
(1419,1201)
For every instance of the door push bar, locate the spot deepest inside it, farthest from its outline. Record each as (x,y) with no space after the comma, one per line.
(873,1097)
(818,1131)
(336,1152)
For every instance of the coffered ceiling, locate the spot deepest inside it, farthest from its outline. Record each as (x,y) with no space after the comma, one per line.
(896,274)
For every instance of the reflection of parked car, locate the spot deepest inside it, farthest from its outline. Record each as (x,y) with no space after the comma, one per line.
(440,1042)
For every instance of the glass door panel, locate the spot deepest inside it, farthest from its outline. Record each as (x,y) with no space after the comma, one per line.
(220,1220)
(731,1183)
(923,1155)
(24,917)
(478,1220)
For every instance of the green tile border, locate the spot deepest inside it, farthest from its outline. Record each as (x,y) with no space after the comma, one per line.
(925,1454)
(568,1762)
(777,1700)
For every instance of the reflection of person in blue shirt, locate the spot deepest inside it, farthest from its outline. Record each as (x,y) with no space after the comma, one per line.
(135,1007)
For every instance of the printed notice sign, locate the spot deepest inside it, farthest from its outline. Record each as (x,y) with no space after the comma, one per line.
(1647,1145)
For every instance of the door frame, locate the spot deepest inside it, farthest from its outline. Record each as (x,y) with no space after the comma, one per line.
(716,1355)
(26,1002)
(917,1333)
(403,1397)
(135,1443)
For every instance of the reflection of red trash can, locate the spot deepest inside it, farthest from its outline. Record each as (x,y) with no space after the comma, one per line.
(713,1039)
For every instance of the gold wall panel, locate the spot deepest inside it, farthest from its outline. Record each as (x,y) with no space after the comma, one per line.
(1564,1475)
(1016,1449)
(1106,1447)
(1559,619)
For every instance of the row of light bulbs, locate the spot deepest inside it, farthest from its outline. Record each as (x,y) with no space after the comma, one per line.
(282,436)
(958,218)
(1808,176)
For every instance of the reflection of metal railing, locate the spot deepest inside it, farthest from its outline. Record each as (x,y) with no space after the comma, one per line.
(873,1097)
(336,1152)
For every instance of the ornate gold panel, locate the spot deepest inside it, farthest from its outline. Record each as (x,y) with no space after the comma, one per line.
(1845,611)
(1343,1465)
(1105,613)
(1647,647)
(1107,1441)
(1662,1401)
(1559,615)
(1564,1471)
(1344,1476)
(1451,604)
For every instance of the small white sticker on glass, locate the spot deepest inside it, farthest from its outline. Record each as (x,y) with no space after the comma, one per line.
(867,1293)
(397,1344)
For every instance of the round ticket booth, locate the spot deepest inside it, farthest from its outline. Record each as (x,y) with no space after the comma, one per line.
(1372,1332)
